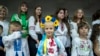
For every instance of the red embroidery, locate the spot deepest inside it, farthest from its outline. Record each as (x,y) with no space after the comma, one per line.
(50,50)
(82,46)
(52,43)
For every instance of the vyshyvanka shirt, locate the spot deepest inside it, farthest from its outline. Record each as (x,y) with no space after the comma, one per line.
(81,47)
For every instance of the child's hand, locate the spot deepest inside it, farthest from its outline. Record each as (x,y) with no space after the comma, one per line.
(4,49)
(24,31)
(37,41)
(1,48)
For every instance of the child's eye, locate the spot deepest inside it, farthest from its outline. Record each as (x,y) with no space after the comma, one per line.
(50,28)
(46,28)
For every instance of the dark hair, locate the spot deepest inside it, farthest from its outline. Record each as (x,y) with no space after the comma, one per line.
(95,32)
(15,23)
(65,20)
(1,27)
(82,24)
(35,14)
(19,9)
(96,15)
(65,12)
(75,16)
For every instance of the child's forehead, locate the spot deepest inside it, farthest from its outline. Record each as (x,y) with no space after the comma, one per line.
(49,23)
(85,26)
(12,25)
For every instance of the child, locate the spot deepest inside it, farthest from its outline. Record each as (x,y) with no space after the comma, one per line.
(14,44)
(1,44)
(35,31)
(95,37)
(82,46)
(63,31)
(50,45)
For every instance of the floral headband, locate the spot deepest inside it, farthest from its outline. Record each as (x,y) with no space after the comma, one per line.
(49,18)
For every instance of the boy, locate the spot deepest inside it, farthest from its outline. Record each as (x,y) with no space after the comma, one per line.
(14,43)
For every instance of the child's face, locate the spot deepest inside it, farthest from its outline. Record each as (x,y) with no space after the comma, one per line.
(83,31)
(1,30)
(49,29)
(14,28)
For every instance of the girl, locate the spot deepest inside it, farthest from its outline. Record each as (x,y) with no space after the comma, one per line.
(22,17)
(63,31)
(95,37)
(50,45)
(3,21)
(77,19)
(82,46)
(14,42)
(96,17)
(34,30)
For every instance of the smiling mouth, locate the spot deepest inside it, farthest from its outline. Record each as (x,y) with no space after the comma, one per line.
(1,14)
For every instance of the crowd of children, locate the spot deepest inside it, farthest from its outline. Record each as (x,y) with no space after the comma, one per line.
(52,35)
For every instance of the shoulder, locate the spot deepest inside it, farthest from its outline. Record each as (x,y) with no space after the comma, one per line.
(6,22)
(32,18)
(73,23)
(96,22)
(76,40)
(90,41)
(15,14)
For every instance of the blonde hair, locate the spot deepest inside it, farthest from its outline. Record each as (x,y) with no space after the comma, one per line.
(75,15)
(4,7)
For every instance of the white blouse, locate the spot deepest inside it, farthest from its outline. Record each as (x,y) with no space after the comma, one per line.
(5,25)
(74,29)
(62,35)
(33,29)
(96,22)
(8,42)
(81,47)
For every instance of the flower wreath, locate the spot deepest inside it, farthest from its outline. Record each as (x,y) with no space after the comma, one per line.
(49,18)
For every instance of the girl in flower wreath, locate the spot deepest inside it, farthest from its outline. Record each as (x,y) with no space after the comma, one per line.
(82,46)
(50,45)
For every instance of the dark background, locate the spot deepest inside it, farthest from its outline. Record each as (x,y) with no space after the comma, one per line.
(49,6)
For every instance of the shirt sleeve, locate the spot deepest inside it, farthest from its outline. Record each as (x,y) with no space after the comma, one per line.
(73,30)
(10,38)
(74,48)
(32,28)
(61,48)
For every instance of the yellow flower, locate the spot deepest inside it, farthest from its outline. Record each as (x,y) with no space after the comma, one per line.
(48,18)
(41,25)
(56,23)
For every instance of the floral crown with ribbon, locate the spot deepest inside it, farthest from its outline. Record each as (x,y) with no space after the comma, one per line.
(49,18)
